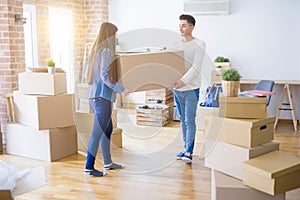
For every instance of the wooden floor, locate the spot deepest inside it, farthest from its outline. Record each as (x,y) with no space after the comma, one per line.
(151,169)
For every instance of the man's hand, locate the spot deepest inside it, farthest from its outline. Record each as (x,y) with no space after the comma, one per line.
(179,84)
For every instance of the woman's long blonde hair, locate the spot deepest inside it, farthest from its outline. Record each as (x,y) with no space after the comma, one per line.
(106,39)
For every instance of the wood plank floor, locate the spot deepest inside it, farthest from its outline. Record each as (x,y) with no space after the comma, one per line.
(151,169)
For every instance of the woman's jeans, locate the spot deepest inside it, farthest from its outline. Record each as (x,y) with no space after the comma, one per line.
(101,133)
(186,103)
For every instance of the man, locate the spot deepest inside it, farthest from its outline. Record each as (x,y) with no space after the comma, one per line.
(186,90)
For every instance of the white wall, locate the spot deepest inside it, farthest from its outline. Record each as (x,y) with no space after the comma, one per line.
(261,37)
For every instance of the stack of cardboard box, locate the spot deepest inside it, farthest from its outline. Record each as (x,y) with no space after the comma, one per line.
(44,127)
(1,145)
(238,148)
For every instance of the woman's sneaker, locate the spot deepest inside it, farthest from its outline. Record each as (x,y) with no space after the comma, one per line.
(113,166)
(180,155)
(187,158)
(94,172)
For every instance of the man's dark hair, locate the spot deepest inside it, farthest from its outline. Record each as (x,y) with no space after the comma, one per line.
(189,18)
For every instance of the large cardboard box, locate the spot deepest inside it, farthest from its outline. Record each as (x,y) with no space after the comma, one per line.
(242,132)
(44,112)
(150,71)
(274,173)
(242,107)
(40,82)
(47,145)
(224,187)
(201,112)
(82,91)
(228,158)
(84,125)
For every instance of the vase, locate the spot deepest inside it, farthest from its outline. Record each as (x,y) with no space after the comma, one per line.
(230,88)
(51,70)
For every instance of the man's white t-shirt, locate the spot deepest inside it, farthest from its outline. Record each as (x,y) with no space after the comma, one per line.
(194,52)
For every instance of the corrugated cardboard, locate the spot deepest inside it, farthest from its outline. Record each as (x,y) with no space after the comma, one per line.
(42,83)
(228,158)
(224,187)
(275,172)
(44,112)
(5,195)
(242,107)
(242,132)
(84,125)
(201,112)
(82,91)
(116,140)
(150,71)
(47,145)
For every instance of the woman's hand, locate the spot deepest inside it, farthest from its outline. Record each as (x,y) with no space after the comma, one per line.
(126,92)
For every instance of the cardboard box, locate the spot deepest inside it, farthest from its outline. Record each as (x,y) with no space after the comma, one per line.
(224,187)
(201,112)
(242,132)
(150,71)
(84,125)
(273,173)
(5,195)
(47,145)
(44,112)
(40,82)
(229,159)
(243,107)
(216,77)
(84,106)
(116,140)
(82,91)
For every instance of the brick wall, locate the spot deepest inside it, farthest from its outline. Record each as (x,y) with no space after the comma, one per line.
(87,15)
(11,51)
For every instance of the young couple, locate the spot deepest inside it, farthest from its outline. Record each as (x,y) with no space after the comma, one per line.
(103,86)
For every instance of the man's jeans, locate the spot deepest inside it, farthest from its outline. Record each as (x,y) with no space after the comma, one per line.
(186,103)
(101,133)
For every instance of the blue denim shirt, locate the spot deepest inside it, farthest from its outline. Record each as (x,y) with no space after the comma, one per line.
(101,86)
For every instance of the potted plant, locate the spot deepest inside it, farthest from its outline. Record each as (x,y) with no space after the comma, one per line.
(51,65)
(223,62)
(230,82)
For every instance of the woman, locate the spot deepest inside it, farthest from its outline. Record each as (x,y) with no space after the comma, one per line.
(103,86)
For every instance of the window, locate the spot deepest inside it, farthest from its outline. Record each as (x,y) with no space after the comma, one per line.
(31,56)
(61,42)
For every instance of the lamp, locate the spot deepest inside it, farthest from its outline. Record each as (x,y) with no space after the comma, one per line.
(18,18)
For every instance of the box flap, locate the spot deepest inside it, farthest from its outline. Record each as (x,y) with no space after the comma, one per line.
(273,164)
(242,99)
(45,70)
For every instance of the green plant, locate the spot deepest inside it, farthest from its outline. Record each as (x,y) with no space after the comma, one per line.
(50,62)
(222,59)
(231,75)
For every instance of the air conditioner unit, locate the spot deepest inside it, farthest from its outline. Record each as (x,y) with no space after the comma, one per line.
(206,7)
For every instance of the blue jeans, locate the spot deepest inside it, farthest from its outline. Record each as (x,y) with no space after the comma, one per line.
(186,103)
(101,133)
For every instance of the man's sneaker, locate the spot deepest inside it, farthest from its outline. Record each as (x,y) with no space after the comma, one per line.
(94,172)
(113,166)
(180,155)
(187,158)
